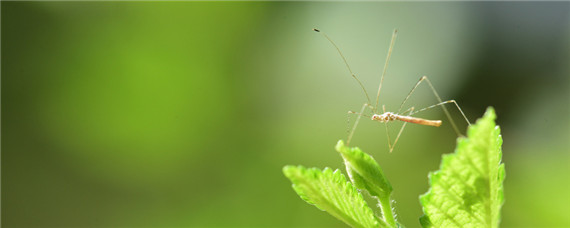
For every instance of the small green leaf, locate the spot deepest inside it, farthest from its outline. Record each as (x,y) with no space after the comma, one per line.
(363,171)
(467,191)
(331,192)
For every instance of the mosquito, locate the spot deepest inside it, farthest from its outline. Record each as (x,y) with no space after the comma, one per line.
(405,116)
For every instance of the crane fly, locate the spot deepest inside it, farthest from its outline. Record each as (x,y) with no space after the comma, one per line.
(405,116)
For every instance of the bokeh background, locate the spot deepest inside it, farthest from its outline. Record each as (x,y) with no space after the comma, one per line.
(182,114)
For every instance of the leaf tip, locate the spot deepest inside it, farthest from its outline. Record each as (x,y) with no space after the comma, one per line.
(490,112)
(288,169)
(474,174)
(340,146)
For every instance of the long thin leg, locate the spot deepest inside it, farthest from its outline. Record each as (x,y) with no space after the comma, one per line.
(411,110)
(388,135)
(348,128)
(442,103)
(425,78)
(355,123)
(386,65)
(388,132)
(390,145)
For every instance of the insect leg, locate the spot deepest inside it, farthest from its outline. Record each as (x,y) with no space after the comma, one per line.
(394,34)
(390,145)
(441,104)
(411,110)
(425,78)
(355,123)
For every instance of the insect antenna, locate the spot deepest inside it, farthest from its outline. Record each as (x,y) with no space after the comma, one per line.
(346,63)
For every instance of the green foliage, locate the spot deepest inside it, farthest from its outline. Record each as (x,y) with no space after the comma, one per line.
(467,191)
(330,191)
(365,173)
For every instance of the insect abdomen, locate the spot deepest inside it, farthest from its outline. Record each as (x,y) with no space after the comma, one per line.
(409,119)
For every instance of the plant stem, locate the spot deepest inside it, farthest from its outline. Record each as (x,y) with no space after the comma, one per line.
(386,207)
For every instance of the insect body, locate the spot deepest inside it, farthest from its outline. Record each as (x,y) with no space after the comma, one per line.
(405,116)
(389,116)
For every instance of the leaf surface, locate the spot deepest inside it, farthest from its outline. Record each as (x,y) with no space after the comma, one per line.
(467,190)
(365,173)
(331,192)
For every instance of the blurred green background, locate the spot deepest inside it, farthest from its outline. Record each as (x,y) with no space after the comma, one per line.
(182,114)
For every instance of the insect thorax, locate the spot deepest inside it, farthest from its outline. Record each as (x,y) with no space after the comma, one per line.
(385,117)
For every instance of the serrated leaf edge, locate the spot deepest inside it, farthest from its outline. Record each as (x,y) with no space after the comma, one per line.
(434,176)
(341,212)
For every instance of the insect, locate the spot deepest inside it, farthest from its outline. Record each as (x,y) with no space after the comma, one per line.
(405,116)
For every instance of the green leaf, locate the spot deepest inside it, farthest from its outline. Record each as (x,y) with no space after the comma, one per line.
(331,192)
(365,173)
(467,191)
